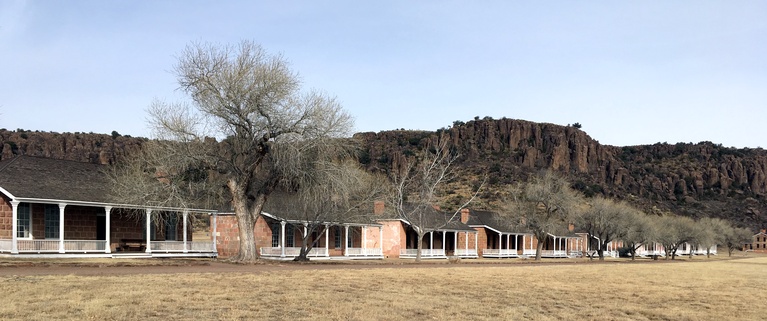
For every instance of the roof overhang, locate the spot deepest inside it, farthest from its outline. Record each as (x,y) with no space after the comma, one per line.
(115,205)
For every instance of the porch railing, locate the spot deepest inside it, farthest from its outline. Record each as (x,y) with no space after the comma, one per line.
(356,251)
(292,252)
(528,252)
(554,253)
(499,252)
(38,246)
(424,252)
(84,246)
(465,252)
(178,246)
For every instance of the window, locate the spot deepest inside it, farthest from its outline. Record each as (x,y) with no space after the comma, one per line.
(24,221)
(51,222)
(349,241)
(289,236)
(171,227)
(337,236)
(275,234)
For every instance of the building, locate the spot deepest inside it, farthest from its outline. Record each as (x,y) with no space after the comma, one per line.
(59,208)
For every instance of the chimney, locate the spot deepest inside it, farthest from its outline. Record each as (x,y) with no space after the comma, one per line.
(464,215)
(378,207)
(764,231)
(571,227)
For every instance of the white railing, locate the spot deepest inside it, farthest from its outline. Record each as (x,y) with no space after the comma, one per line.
(167,246)
(465,252)
(6,245)
(38,246)
(575,254)
(500,252)
(200,246)
(553,253)
(292,252)
(84,246)
(650,253)
(528,252)
(356,251)
(424,252)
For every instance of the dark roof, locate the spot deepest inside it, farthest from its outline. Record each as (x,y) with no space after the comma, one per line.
(437,220)
(47,178)
(490,219)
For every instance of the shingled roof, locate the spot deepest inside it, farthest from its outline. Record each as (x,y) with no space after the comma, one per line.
(489,219)
(54,179)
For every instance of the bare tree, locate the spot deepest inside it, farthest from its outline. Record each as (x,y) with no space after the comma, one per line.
(329,192)
(673,231)
(711,231)
(735,237)
(638,230)
(543,205)
(416,189)
(252,102)
(603,220)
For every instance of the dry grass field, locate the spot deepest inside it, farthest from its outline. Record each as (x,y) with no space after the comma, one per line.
(699,290)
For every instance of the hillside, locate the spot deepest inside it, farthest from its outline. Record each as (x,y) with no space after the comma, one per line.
(703,179)
(697,180)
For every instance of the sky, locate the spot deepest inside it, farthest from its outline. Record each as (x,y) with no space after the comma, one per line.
(630,72)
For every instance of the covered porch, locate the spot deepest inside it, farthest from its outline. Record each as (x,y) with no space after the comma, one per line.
(562,247)
(440,244)
(333,241)
(508,245)
(44,228)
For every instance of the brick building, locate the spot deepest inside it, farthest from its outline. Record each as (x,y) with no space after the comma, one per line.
(58,208)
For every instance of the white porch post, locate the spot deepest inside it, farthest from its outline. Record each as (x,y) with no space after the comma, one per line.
(455,243)
(466,240)
(476,242)
(380,236)
(500,235)
(186,217)
(108,222)
(327,231)
(346,240)
(431,242)
(364,239)
(282,239)
(508,242)
(148,230)
(61,227)
(443,243)
(14,227)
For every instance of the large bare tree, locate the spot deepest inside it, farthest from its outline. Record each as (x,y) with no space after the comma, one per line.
(245,129)
(603,220)
(673,231)
(735,237)
(638,230)
(544,205)
(417,184)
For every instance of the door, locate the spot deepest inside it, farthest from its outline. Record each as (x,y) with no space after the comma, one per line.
(101,228)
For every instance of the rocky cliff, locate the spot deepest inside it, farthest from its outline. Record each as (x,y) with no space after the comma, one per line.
(83,147)
(703,179)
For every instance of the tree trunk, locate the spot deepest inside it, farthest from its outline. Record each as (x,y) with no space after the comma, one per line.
(538,249)
(633,253)
(601,254)
(418,247)
(246,222)
(305,248)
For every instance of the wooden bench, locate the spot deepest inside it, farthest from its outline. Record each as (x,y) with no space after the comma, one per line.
(132,245)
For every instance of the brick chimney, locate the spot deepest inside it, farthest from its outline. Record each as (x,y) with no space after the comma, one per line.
(378,207)
(764,231)
(464,215)
(571,227)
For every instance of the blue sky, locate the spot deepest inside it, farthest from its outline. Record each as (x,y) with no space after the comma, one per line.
(630,72)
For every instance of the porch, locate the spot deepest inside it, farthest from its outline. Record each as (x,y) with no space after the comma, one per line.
(448,243)
(349,241)
(76,230)
(507,245)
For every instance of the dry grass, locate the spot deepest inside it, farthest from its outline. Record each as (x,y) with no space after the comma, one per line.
(721,289)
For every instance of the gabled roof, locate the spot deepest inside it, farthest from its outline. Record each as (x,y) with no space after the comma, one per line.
(39,179)
(489,219)
(45,178)
(434,219)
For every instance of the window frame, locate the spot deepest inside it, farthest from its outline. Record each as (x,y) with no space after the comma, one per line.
(51,222)
(290,236)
